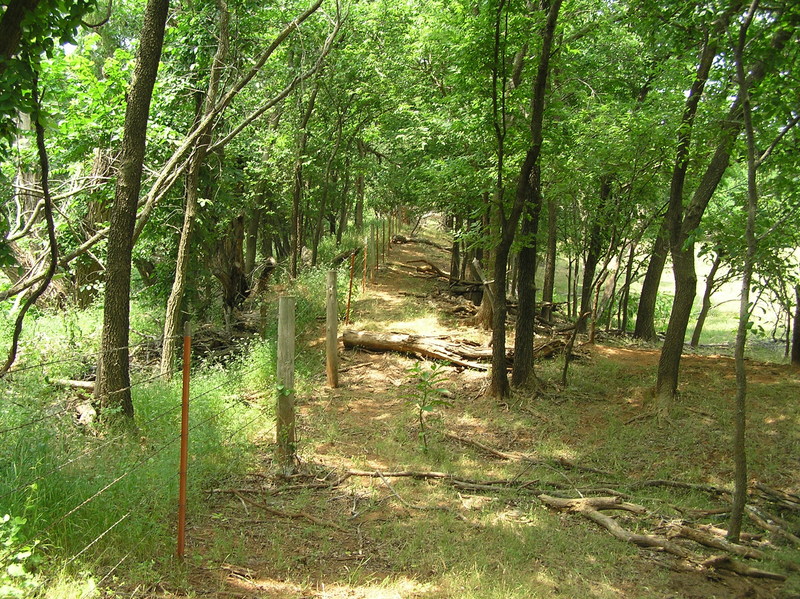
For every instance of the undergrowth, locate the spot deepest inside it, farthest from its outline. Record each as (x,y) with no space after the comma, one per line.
(83,506)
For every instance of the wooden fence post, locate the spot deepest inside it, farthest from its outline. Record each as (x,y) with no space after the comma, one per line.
(285,425)
(383,240)
(373,247)
(332,333)
(350,289)
(366,259)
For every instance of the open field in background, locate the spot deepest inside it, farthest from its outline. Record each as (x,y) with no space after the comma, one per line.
(340,530)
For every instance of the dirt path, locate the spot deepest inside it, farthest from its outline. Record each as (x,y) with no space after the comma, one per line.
(320,536)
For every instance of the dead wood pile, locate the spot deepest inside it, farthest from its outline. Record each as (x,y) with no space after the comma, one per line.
(459,352)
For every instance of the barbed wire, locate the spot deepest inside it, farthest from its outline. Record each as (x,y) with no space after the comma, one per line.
(104,396)
(100,536)
(89,452)
(80,355)
(147,458)
(35,420)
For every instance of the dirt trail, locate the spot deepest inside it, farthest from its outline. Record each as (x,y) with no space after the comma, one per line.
(246,550)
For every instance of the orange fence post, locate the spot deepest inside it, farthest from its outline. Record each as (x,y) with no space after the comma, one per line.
(187,346)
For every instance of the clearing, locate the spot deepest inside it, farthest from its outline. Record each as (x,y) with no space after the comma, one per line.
(372,515)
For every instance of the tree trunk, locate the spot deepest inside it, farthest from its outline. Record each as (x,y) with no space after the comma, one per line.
(682,228)
(251,241)
(113,375)
(548,286)
(796,328)
(172,316)
(526,193)
(645,327)
(523,372)
(343,206)
(740,410)
(681,247)
(455,252)
(328,182)
(11,26)
(228,267)
(706,305)
(626,288)
(88,271)
(595,247)
(669,361)
(297,190)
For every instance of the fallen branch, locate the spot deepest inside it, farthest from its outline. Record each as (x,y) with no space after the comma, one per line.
(587,509)
(401,239)
(521,457)
(592,503)
(682,485)
(723,562)
(764,523)
(339,258)
(429,268)
(782,498)
(291,515)
(713,541)
(84,385)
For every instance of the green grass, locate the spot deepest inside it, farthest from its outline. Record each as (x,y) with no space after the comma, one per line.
(481,545)
(111,496)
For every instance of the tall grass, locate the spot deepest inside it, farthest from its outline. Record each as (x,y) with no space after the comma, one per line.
(90,501)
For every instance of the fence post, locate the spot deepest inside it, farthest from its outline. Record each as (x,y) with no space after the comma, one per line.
(366,259)
(373,246)
(350,290)
(184,453)
(285,425)
(332,332)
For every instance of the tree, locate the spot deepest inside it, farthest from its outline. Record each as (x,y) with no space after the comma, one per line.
(739,449)
(682,222)
(528,192)
(113,376)
(172,315)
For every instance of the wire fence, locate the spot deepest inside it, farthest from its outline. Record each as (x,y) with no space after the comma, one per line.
(24,483)
(79,461)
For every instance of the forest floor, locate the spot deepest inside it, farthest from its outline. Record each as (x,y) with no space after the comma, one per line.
(339,529)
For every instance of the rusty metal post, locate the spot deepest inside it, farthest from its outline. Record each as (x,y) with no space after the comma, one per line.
(184,459)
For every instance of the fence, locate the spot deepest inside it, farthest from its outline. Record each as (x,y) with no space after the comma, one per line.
(88,494)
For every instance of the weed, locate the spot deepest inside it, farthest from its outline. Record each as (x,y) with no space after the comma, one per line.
(426,395)
(18,559)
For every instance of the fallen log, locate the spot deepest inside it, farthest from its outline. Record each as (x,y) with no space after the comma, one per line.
(82,385)
(521,457)
(460,353)
(429,268)
(436,348)
(401,239)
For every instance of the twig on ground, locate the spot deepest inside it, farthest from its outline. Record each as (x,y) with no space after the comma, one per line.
(291,515)
(764,523)
(521,457)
